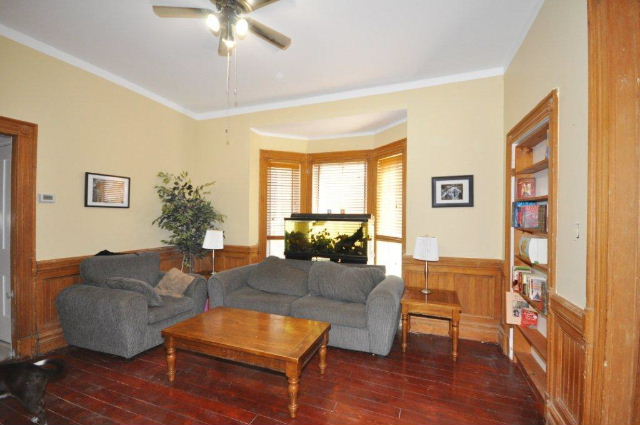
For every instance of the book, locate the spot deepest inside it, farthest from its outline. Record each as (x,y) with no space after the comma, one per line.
(526,188)
(533,249)
(528,318)
(537,288)
(514,305)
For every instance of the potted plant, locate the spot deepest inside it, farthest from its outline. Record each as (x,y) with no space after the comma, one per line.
(187,214)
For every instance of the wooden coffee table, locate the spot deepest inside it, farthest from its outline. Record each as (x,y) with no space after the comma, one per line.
(280,343)
(440,304)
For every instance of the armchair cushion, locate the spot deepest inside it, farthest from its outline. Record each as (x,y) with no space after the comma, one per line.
(278,276)
(171,307)
(174,283)
(136,285)
(342,283)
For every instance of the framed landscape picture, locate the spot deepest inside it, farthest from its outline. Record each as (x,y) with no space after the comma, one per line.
(452,191)
(103,190)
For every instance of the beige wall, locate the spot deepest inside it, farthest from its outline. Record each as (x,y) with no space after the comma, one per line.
(86,123)
(554,55)
(89,124)
(452,129)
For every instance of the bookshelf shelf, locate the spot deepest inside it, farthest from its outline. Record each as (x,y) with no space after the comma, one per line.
(533,199)
(531,162)
(535,232)
(534,168)
(542,267)
(534,372)
(537,340)
(537,305)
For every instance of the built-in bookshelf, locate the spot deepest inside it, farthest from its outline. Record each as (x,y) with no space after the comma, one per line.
(531,191)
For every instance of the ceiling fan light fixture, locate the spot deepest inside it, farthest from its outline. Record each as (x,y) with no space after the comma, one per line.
(213,23)
(242,27)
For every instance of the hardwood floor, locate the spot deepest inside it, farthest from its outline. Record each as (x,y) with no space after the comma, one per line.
(421,386)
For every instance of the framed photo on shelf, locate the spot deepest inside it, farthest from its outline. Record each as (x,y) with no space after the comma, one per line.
(106,191)
(452,191)
(526,188)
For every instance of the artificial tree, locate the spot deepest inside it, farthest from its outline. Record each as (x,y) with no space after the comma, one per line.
(187,214)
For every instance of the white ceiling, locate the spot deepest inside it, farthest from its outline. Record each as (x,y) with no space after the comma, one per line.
(350,126)
(338,46)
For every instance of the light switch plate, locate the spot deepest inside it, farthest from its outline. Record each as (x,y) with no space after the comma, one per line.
(46,198)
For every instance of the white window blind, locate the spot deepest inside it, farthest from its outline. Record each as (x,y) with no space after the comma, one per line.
(389,196)
(283,195)
(340,186)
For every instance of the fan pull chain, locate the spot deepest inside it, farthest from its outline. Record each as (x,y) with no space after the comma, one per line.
(226,130)
(235,79)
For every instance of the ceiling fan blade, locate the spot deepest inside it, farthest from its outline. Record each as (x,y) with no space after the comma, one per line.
(272,36)
(251,5)
(180,12)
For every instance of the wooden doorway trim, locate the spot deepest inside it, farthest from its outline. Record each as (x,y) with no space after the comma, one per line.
(23,233)
(613,287)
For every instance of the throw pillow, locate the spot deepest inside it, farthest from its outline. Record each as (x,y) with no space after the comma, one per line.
(136,285)
(174,283)
(276,276)
(344,283)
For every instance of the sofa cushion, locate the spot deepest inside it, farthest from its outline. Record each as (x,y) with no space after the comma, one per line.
(353,315)
(144,266)
(174,283)
(252,299)
(136,285)
(171,307)
(343,283)
(279,276)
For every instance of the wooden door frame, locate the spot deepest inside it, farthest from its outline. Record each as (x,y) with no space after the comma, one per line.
(23,233)
(612,328)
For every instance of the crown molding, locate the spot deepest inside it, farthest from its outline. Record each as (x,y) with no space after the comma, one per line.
(49,50)
(333,136)
(353,94)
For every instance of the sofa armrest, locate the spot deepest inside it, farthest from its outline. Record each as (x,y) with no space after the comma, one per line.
(197,291)
(222,284)
(383,314)
(104,319)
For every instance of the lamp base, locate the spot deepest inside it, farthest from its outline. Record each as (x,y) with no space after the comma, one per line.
(426,291)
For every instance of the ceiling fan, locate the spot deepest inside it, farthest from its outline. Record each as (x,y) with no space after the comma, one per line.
(229,19)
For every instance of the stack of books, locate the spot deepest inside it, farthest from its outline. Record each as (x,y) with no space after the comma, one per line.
(529,215)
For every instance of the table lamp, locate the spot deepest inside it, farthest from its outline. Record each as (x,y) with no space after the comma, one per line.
(426,249)
(213,239)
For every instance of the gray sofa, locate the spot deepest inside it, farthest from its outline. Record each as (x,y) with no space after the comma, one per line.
(363,317)
(118,321)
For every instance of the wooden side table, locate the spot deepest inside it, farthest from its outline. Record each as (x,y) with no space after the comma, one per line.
(441,304)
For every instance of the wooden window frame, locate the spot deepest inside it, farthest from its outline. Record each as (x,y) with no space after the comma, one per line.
(307,161)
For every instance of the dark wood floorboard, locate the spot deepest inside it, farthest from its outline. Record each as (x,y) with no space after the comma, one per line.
(421,386)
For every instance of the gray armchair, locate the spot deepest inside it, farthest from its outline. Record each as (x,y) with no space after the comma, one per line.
(118,321)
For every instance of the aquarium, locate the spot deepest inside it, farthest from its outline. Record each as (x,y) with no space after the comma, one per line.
(344,238)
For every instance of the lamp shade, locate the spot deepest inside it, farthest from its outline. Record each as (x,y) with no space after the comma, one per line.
(426,249)
(214,239)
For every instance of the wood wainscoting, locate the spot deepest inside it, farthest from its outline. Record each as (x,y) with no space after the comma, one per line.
(52,276)
(566,362)
(478,283)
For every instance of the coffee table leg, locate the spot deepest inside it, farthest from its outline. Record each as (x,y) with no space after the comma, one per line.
(405,331)
(323,353)
(455,322)
(171,358)
(294,379)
